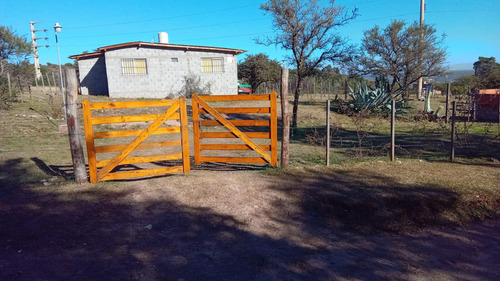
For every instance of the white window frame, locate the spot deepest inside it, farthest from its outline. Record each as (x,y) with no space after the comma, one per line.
(129,67)
(213,67)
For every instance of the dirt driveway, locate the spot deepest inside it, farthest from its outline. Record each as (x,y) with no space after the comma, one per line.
(225,225)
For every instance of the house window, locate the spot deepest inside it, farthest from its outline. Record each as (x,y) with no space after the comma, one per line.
(175,59)
(213,65)
(134,67)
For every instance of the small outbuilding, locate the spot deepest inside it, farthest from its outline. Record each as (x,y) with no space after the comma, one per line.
(487,105)
(157,70)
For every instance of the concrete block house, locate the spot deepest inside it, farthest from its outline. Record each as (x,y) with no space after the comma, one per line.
(156,70)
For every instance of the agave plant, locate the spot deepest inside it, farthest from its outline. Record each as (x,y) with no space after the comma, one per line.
(376,100)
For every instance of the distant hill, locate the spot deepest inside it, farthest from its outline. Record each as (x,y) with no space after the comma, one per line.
(453,75)
(461,66)
(454,72)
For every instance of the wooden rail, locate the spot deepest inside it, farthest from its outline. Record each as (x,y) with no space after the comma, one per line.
(105,169)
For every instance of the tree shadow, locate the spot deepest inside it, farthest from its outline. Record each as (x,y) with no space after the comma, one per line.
(113,233)
(101,234)
(362,202)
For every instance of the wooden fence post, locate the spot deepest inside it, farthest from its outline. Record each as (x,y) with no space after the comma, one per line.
(446,116)
(328,133)
(345,89)
(43,87)
(10,87)
(393,129)
(20,88)
(453,117)
(48,82)
(37,89)
(74,131)
(54,79)
(285,119)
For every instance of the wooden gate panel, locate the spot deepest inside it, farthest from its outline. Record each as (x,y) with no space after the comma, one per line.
(200,106)
(102,170)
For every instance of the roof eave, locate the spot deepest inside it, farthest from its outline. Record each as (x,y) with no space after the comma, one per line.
(104,49)
(84,56)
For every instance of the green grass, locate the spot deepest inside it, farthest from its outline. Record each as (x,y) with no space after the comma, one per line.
(32,150)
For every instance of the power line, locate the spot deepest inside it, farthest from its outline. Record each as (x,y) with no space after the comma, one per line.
(466,11)
(227,36)
(170,29)
(157,19)
(388,17)
(362,3)
(190,39)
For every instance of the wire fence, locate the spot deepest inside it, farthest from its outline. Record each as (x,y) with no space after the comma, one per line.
(473,139)
(312,86)
(17,86)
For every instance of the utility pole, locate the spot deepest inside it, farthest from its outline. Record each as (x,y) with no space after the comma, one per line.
(38,73)
(422,11)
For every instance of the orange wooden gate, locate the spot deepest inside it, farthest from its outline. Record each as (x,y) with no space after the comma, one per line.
(200,106)
(109,169)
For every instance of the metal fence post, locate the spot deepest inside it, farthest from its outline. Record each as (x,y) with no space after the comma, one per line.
(328,133)
(393,129)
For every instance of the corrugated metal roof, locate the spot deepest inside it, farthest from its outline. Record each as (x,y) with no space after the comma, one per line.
(489,91)
(101,50)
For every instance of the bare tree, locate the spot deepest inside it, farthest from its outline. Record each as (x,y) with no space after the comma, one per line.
(394,52)
(307,28)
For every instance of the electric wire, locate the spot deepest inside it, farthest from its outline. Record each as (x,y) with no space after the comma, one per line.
(157,19)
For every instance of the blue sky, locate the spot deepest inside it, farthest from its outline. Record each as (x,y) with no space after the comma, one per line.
(471,26)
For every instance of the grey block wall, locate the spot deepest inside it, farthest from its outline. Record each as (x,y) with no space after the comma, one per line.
(166,77)
(93,80)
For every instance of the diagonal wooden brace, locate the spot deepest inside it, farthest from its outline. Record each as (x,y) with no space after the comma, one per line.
(233,129)
(140,138)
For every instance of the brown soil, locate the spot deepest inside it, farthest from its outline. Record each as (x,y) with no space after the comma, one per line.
(222,223)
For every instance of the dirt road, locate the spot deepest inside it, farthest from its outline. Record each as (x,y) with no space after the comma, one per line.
(221,225)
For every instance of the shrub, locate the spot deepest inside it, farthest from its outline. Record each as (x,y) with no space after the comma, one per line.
(376,100)
(192,84)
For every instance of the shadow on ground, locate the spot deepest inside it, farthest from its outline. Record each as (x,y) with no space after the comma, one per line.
(102,233)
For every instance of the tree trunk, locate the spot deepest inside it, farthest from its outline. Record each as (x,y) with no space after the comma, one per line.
(297,93)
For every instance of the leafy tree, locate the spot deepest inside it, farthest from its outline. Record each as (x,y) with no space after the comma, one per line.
(395,51)
(257,69)
(487,72)
(307,29)
(12,46)
(484,66)
(463,85)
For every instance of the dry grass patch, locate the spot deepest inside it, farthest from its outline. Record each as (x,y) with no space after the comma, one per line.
(392,197)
